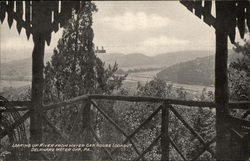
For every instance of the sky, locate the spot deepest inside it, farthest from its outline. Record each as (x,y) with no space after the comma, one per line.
(147,27)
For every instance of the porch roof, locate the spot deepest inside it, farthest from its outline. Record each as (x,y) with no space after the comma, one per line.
(53,14)
(236,14)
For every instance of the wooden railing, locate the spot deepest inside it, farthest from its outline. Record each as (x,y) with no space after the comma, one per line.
(165,106)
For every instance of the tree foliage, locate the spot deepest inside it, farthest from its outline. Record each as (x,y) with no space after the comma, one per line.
(74,68)
(239,73)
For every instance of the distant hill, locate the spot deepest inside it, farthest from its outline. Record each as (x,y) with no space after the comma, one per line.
(168,59)
(195,72)
(135,60)
(21,69)
(132,61)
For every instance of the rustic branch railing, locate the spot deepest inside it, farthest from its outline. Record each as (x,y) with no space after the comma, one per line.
(165,108)
(245,105)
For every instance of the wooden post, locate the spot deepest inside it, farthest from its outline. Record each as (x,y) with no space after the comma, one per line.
(221,85)
(37,91)
(37,77)
(164,131)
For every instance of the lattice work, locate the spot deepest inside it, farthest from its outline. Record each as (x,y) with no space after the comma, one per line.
(237,14)
(12,130)
(54,14)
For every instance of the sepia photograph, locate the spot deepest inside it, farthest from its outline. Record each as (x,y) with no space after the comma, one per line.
(152,80)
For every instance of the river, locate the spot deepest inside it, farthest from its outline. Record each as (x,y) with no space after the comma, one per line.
(144,77)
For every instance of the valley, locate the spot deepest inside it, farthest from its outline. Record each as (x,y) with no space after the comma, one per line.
(139,67)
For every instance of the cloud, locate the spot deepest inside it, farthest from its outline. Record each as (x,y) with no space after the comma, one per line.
(130,21)
(164,41)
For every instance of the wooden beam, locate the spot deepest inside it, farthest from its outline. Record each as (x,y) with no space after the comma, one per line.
(65,103)
(14,109)
(245,105)
(234,105)
(153,100)
(221,85)
(205,11)
(15,103)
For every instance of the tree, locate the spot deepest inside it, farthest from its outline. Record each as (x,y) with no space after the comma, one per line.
(239,72)
(75,70)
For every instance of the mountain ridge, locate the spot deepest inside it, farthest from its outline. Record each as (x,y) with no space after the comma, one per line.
(138,60)
(199,71)
(21,69)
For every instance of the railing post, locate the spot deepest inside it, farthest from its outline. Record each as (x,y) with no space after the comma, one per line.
(86,123)
(164,132)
